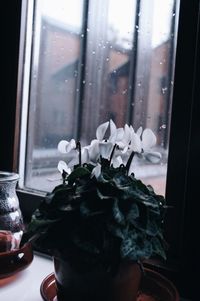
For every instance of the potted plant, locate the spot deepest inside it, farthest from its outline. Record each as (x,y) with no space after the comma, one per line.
(101,222)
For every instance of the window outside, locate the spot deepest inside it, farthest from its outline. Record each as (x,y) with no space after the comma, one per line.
(91,61)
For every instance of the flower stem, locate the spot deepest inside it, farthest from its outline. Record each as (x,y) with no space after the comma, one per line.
(64,174)
(128,164)
(78,146)
(112,153)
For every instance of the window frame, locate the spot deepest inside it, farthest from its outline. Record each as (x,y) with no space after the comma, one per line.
(183,161)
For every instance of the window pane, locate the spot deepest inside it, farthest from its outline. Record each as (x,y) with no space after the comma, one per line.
(56,41)
(93,61)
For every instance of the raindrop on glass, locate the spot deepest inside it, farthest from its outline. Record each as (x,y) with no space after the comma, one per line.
(164,90)
(124,91)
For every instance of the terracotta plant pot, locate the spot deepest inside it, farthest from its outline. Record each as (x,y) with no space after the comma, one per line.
(155,286)
(96,284)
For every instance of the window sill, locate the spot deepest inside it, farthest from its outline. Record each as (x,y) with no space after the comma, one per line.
(25,285)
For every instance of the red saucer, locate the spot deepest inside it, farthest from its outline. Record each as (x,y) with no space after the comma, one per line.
(154,287)
(48,288)
(16,260)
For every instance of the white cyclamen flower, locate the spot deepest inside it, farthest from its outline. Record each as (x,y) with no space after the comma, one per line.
(136,144)
(142,141)
(148,139)
(93,151)
(117,161)
(96,171)
(69,148)
(100,147)
(85,155)
(101,130)
(105,149)
(65,146)
(119,136)
(62,166)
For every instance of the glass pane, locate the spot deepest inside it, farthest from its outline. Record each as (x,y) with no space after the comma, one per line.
(53,84)
(91,63)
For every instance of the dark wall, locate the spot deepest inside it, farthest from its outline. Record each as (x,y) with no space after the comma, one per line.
(10,29)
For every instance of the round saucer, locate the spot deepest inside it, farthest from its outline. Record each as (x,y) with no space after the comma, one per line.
(154,287)
(16,260)
(48,288)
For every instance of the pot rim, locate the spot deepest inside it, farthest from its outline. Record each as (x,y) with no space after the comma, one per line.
(6,176)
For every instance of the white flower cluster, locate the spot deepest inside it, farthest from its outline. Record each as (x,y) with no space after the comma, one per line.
(122,142)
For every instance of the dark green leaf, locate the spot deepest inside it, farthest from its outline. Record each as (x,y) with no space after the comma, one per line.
(78,173)
(117,214)
(133,213)
(157,248)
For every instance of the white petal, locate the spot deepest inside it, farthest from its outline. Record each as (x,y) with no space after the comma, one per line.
(125,150)
(113,132)
(73,161)
(125,156)
(117,161)
(85,155)
(127,134)
(65,146)
(131,130)
(63,166)
(135,143)
(62,146)
(96,171)
(71,145)
(105,149)
(71,155)
(93,151)
(139,131)
(113,127)
(153,157)
(120,134)
(148,139)
(121,145)
(101,130)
